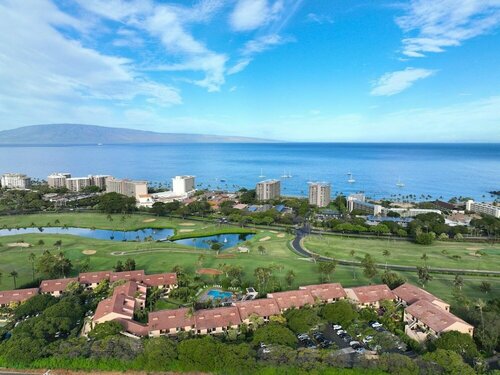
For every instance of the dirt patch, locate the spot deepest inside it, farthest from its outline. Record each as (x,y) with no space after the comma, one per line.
(148,220)
(281,235)
(208,271)
(187,224)
(225,256)
(89,252)
(473,248)
(273,231)
(18,244)
(267,238)
(475,255)
(186,230)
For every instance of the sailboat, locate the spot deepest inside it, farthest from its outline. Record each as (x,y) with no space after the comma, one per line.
(261,174)
(400,184)
(285,175)
(289,175)
(351,180)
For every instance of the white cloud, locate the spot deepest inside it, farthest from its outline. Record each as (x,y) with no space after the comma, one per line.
(39,64)
(249,15)
(436,25)
(319,18)
(395,82)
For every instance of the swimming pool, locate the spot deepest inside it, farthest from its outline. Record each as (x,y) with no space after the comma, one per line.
(219,294)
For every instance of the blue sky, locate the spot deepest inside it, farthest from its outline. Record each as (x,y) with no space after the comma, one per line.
(301,70)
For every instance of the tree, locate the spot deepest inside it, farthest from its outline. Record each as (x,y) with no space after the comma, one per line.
(353,253)
(485,287)
(458,282)
(460,343)
(369,266)
(327,268)
(158,354)
(450,362)
(263,275)
(424,275)
(118,267)
(301,320)
(129,265)
(341,312)
(397,364)
(116,203)
(423,238)
(261,249)
(201,259)
(424,257)
(14,276)
(103,330)
(274,333)
(386,253)
(32,258)
(392,279)
(290,277)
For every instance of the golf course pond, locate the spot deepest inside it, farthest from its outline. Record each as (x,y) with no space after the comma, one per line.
(225,241)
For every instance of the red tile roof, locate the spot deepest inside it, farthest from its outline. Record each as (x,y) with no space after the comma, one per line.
(411,294)
(325,292)
(373,293)
(132,289)
(263,307)
(137,275)
(433,316)
(94,277)
(119,303)
(217,318)
(57,285)
(18,295)
(170,319)
(160,279)
(292,298)
(134,327)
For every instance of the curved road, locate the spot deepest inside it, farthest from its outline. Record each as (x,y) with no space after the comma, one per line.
(299,248)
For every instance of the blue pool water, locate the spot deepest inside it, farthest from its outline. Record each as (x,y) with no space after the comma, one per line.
(97,234)
(227,240)
(218,294)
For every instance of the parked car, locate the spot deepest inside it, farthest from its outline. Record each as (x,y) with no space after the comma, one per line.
(262,345)
(303,336)
(336,327)
(354,342)
(375,324)
(340,332)
(347,338)
(368,339)
(360,350)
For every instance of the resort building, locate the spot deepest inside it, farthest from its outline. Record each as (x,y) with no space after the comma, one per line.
(99,180)
(292,299)
(326,293)
(263,308)
(407,294)
(136,275)
(217,320)
(409,212)
(15,181)
(76,184)
(126,187)
(56,287)
(166,281)
(170,322)
(357,202)
(91,280)
(370,295)
(319,194)
(426,320)
(480,208)
(268,189)
(183,185)
(9,297)
(58,180)
(118,306)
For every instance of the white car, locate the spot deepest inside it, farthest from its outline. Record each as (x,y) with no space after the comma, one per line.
(354,343)
(340,332)
(336,327)
(376,325)
(303,336)
(368,339)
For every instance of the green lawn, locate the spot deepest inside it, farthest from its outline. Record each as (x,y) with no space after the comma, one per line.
(440,254)
(162,256)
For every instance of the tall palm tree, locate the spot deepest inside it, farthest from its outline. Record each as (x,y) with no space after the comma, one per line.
(386,253)
(424,257)
(32,258)
(14,276)
(353,253)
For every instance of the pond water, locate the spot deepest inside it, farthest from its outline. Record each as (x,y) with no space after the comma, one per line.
(97,234)
(226,240)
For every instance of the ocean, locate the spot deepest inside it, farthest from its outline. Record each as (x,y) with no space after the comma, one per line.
(430,170)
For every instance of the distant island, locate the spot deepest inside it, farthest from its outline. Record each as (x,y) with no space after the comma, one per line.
(78,134)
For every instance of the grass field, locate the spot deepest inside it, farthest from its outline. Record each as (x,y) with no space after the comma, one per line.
(440,254)
(163,256)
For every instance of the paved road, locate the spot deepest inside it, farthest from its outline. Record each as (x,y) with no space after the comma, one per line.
(301,250)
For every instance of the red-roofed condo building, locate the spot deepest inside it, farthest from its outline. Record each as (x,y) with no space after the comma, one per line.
(292,299)
(370,295)
(326,293)
(9,297)
(56,287)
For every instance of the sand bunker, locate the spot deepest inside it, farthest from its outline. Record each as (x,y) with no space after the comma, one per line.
(273,231)
(208,271)
(474,248)
(88,252)
(187,224)
(267,238)
(148,220)
(19,244)
(281,235)
(186,230)
(475,255)
(225,256)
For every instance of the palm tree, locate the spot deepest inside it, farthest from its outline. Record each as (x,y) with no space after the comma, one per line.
(386,253)
(458,282)
(480,304)
(353,253)
(32,258)
(1,275)
(14,276)
(424,257)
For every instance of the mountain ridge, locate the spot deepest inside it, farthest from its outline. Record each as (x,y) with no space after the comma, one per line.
(82,134)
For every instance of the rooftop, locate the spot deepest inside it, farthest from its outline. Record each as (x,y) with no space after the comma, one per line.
(218,317)
(411,294)
(372,293)
(94,277)
(263,307)
(433,316)
(57,285)
(170,319)
(325,292)
(128,275)
(292,298)
(18,295)
(160,279)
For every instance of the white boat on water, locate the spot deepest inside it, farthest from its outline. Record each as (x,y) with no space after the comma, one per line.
(261,174)
(351,179)
(399,183)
